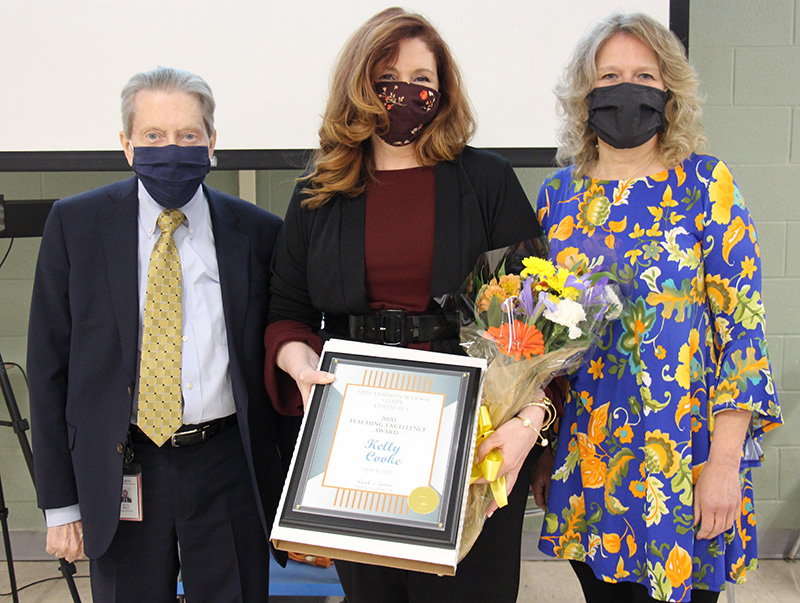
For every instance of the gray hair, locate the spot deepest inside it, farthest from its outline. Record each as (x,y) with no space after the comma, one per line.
(168,79)
(683,134)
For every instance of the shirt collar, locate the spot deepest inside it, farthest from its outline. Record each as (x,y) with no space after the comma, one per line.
(149,210)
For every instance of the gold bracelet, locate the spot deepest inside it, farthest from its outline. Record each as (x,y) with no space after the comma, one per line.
(550,411)
(529,423)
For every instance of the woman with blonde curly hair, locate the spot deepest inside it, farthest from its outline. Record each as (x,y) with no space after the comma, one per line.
(393,212)
(642,501)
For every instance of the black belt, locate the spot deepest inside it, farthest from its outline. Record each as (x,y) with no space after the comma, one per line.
(190,435)
(392,327)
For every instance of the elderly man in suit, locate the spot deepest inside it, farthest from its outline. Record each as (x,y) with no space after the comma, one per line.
(146,360)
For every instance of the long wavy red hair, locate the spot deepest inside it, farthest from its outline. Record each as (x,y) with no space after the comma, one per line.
(343,164)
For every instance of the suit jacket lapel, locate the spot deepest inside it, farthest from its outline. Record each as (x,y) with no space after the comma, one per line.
(120,245)
(233,257)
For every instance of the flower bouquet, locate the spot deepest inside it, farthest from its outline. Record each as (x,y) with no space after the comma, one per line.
(531,319)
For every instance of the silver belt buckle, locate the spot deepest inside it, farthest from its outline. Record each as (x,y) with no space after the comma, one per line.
(173,438)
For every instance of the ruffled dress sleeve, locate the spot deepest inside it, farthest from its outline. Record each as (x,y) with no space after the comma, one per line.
(732,288)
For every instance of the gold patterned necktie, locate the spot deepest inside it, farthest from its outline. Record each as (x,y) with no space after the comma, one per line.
(160,406)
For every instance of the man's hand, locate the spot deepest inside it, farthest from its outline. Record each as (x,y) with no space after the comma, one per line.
(66,541)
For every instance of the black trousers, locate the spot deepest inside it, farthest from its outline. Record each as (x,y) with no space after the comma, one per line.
(488,574)
(200,517)
(599,591)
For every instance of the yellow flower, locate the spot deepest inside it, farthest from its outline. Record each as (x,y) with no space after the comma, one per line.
(596,369)
(594,210)
(487,293)
(637,233)
(748,267)
(621,571)
(624,433)
(654,231)
(633,254)
(725,392)
(657,212)
(661,353)
(510,283)
(508,286)
(537,267)
(557,281)
(666,199)
(638,489)
(571,293)
(660,453)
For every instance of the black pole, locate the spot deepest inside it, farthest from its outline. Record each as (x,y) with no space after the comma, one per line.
(20,426)
(12,578)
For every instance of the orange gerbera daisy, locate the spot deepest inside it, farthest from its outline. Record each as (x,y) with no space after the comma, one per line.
(517,339)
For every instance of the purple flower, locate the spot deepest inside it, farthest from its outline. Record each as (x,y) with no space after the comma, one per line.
(526,297)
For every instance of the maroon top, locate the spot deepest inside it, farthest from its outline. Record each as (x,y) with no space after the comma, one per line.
(398,246)
(398,256)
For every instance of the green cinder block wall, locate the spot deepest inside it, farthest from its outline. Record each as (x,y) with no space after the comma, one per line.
(747,53)
(748,56)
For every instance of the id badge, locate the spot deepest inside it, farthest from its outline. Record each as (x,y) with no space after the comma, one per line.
(130,507)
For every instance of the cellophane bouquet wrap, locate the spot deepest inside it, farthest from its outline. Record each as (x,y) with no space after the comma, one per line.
(531,319)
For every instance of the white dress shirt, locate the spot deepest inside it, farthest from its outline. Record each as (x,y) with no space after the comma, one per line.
(205,370)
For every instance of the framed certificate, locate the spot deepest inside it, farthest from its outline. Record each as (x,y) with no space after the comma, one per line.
(381,467)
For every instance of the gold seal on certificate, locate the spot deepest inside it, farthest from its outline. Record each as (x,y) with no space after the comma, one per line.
(423,500)
(381,466)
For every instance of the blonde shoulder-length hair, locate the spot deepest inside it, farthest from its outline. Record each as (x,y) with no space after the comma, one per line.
(683,133)
(343,164)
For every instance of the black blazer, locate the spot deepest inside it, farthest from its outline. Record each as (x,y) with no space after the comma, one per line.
(319,267)
(83,347)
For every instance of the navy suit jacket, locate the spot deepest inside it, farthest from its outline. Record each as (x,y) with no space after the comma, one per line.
(83,348)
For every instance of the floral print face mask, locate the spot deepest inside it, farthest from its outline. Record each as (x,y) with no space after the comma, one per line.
(411,107)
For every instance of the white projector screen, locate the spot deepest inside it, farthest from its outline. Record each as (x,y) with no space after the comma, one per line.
(268,62)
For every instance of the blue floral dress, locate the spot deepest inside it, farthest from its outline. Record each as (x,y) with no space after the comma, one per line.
(689,344)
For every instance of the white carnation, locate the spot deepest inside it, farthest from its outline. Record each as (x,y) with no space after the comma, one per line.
(569,314)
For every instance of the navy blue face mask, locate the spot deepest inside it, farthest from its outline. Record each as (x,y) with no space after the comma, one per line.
(171,174)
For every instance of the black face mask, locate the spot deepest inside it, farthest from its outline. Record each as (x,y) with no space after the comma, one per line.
(626,115)
(171,174)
